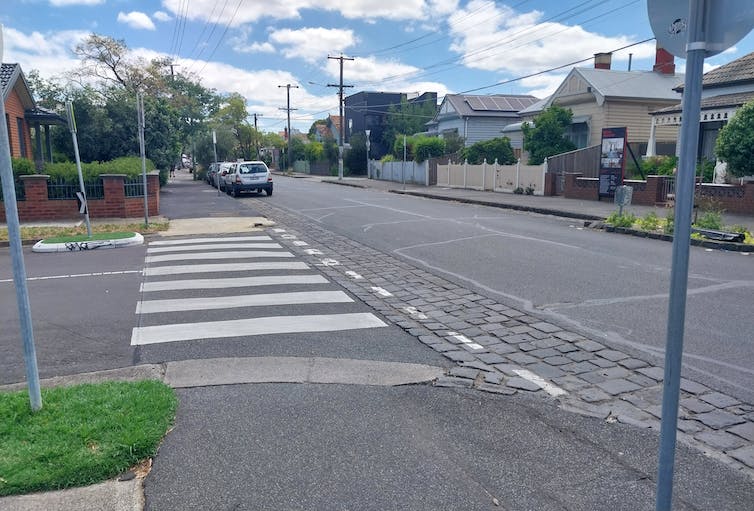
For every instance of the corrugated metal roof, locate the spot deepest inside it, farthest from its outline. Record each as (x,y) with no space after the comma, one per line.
(632,84)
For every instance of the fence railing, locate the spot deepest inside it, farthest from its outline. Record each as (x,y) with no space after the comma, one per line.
(492,176)
(134,187)
(60,189)
(667,189)
(20,191)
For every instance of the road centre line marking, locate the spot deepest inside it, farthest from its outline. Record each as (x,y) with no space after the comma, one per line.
(466,341)
(225,267)
(77,275)
(278,230)
(329,262)
(267,280)
(229,239)
(382,292)
(354,275)
(226,302)
(289,236)
(254,326)
(216,255)
(540,382)
(219,246)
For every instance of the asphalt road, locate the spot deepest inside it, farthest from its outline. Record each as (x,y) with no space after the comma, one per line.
(610,286)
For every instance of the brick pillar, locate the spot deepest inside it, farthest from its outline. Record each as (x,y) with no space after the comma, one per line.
(153,189)
(570,184)
(36,206)
(115,197)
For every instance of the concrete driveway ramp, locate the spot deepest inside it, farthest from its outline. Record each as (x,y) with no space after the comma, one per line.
(230,371)
(216,225)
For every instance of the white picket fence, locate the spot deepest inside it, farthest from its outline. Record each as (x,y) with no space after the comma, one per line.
(492,176)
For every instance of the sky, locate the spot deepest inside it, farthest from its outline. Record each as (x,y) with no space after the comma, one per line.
(254,46)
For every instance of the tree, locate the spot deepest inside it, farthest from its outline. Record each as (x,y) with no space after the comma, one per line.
(735,142)
(408,118)
(494,149)
(355,159)
(428,147)
(547,136)
(314,151)
(453,142)
(313,127)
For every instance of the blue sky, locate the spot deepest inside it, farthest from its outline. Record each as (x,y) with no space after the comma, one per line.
(412,46)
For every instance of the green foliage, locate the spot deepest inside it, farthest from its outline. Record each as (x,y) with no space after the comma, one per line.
(669,221)
(547,136)
(398,148)
(518,191)
(710,219)
(624,220)
(494,149)
(453,142)
(22,167)
(529,190)
(314,151)
(659,165)
(130,166)
(428,147)
(735,142)
(387,158)
(83,434)
(649,222)
(355,159)
(706,170)
(408,118)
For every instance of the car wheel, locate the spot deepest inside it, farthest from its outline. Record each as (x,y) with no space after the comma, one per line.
(269,192)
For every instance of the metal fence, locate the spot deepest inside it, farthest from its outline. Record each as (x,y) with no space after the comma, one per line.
(20,190)
(60,189)
(667,190)
(134,187)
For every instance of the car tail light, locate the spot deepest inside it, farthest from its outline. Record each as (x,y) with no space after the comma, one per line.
(238,179)
(269,179)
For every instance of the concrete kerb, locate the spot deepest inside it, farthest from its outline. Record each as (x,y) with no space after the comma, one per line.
(76,246)
(126,492)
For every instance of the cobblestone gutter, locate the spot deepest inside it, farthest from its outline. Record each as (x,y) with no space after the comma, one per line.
(503,350)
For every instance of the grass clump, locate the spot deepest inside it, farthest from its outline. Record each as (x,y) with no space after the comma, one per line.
(95,237)
(649,222)
(83,434)
(44,232)
(624,220)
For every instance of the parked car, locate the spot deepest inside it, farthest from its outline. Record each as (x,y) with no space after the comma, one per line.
(211,171)
(248,176)
(222,170)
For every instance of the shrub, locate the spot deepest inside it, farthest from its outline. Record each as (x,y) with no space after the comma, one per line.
(624,220)
(22,167)
(494,149)
(529,190)
(387,158)
(669,221)
(710,220)
(428,147)
(659,165)
(650,222)
(519,191)
(130,166)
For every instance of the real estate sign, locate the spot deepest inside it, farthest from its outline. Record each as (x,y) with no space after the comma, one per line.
(612,160)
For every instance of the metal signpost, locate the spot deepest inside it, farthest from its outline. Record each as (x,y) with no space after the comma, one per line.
(690,29)
(82,189)
(214,150)
(17,257)
(369,173)
(142,124)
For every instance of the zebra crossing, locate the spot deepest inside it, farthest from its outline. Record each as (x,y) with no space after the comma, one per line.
(235,286)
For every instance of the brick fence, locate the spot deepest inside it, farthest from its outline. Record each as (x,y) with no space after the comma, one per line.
(737,199)
(37,206)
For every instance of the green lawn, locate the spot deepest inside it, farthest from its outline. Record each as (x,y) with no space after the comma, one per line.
(95,236)
(82,435)
(38,233)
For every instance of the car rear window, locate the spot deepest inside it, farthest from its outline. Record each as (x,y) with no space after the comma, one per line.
(252,168)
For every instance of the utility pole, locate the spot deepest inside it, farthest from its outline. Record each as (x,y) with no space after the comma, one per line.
(256,133)
(142,150)
(287,109)
(340,87)
(172,71)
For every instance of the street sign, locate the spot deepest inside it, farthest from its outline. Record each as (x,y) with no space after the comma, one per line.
(725,22)
(82,202)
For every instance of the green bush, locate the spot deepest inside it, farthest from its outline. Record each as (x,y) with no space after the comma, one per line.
(659,165)
(669,221)
(649,222)
(529,190)
(710,220)
(494,149)
(130,166)
(519,191)
(387,158)
(22,167)
(706,170)
(624,220)
(428,147)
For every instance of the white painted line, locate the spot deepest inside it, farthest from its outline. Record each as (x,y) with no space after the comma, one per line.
(269,280)
(278,230)
(313,251)
(77,275)
(382,292)
(208,240)
(289,236)
(466,341)
(224,267)
(329,262)
(254,326)
(219,246)
(415,313)
(228,302)
(300,243)
(540,382)
(215,255)
(354,275)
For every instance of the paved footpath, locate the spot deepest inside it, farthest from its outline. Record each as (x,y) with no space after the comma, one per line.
(505,350)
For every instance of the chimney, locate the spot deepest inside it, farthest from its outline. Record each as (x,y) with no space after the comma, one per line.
(664,62)
(602,60)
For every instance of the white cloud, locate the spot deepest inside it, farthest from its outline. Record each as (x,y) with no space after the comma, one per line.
(312,44)
(50,52)
(162,16)
(64,3)
(137,20)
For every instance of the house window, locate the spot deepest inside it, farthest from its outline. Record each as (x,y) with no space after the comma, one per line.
(21,137)
(578,133)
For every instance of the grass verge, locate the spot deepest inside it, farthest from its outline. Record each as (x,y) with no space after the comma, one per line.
(95,236)
(83,434)
(38,233)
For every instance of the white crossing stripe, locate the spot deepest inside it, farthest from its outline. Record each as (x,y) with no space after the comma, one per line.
(215,255)
(540,382)
(208,240)
(227,302)
(268,280)
(253,326)
(218,246)
(224,267)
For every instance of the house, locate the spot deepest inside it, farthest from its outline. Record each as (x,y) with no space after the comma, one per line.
(322,133)
(333,124)
(478,118)
(601,97)
(369,111)
(724,90)
(22,114)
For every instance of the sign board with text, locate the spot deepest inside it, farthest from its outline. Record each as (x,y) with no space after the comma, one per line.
(612,160)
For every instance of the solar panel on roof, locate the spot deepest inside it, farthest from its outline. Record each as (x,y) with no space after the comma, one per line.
(475,103)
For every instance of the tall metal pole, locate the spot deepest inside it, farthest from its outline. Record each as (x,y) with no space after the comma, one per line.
(288,109)
(214,150)
(17,257)
(142,149)
(82,188)
(692,92)
(340,108)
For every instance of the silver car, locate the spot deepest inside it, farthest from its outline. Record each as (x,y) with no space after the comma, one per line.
(248,176)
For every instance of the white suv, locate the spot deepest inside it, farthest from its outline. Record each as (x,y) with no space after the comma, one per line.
(246,176)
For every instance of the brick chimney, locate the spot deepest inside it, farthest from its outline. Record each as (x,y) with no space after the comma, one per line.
(664,62)
(602,60)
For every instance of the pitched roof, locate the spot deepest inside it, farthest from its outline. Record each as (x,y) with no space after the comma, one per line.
(720,101)
(335,120)
(739,70)
(9,77)
(610,83)
(493,105)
